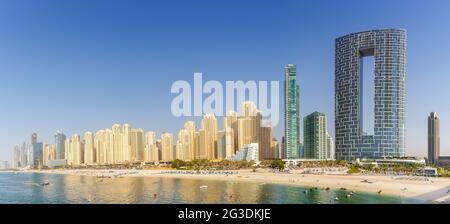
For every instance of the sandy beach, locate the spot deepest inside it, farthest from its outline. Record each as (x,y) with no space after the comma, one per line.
(431,189)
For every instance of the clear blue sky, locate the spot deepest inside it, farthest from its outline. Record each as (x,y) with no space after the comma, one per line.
(84,65)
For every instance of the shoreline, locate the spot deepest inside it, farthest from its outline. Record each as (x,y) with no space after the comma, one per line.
(431,189)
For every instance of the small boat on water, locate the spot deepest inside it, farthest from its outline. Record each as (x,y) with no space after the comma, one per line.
(45,183)
(348,196)
(336,199)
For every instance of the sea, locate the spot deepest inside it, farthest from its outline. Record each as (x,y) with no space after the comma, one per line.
(39,188)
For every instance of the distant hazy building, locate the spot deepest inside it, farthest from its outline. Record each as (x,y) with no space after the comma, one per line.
(434,138)
(36,152)
(292,113)
(315,136)
(59,145)
(17,156)
(33,138)
(388,48)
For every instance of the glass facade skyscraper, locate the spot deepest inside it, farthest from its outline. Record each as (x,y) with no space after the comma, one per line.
(291,113)
(388,47)
(315,136)
(59,145)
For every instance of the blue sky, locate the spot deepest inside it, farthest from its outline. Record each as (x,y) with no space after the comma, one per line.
(84,65)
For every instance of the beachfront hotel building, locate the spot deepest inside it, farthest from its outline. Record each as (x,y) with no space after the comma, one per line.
(434,138)
(388,48)
(292,113)
(315,138)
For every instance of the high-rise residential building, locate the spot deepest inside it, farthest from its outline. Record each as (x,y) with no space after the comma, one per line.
(49,153)
(210,126)
(275,147)
(230,125)
(221,144)
(151,152)
(229,141)
(25,150)
(265,146)
(75,151)
(36,154)
(89,149)
(190,128)
(136,145)
(283,148)
(183,147)
(388,48)
(167,147)
(202,142)
(117,144)
(249,125)
(315,136)
(292,113)
(59,145)
(101,142)
(434,138)
(330,147)
(16,161)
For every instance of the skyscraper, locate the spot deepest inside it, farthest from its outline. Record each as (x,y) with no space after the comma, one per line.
(151,152)
(167,147)
(434,138)
(89,149)
(388,47)
(48,154)
(266,146)
(315,136)
(190,128)
(230,124)
(59,145)
(292,113)
(209,125)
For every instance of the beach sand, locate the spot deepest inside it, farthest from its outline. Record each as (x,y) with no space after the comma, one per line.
(434,189)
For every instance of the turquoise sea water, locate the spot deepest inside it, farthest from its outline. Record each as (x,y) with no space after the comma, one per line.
(25,188)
